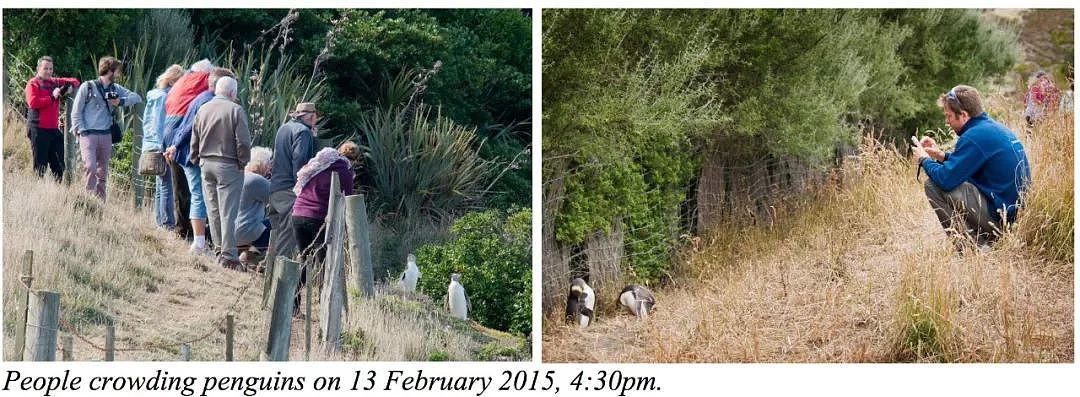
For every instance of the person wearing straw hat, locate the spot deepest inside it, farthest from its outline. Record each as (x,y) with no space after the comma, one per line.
(982,181)
(294,145)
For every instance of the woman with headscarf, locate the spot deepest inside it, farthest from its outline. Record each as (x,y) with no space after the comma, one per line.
(313,201)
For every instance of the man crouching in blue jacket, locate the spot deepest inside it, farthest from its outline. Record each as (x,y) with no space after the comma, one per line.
(983,180)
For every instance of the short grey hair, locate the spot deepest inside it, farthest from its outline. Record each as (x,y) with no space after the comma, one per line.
(260,157)
(202,65)
(226,86)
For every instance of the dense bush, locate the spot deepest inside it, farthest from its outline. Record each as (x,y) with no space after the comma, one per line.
(632,96)
(491,251)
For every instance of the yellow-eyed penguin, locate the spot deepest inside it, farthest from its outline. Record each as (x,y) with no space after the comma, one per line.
(410,276)
(457,303)
(580,303)
(638,300)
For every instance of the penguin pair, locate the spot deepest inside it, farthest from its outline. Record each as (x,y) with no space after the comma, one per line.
(581,302)
(457,301)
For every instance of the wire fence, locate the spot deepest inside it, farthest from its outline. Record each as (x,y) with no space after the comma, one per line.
(727,190)
(216,327)
(125,184)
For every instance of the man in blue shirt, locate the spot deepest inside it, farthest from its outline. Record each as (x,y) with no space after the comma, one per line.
(978,187)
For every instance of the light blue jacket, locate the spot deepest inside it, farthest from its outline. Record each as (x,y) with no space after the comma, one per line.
(90,112)
(153,119)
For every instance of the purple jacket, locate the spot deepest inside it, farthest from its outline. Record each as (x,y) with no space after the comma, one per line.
(314,199)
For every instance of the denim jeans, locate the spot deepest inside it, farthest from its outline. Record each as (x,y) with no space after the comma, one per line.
(195,186)
(163,200)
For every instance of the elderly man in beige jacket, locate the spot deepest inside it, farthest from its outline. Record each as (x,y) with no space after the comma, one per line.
(221,145)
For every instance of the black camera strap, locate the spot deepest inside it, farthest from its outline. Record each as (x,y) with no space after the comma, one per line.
(101,90)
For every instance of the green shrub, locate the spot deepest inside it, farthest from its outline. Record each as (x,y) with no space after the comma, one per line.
(632,97)
(491,251)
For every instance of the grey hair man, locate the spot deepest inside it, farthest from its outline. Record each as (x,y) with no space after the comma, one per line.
(221,145)
(252,225)
(294,145)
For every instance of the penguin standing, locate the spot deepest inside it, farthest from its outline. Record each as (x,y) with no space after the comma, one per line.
(457,302)
(580,303)
(411,276)
(638,300)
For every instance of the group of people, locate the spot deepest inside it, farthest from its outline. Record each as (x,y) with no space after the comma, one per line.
(217,190)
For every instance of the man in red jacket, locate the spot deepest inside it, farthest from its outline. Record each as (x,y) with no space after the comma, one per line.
(43,95)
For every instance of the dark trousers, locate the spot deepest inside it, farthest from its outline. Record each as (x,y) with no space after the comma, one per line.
(47,145)
(963,211)
(181,200)
(310,243)
(263,241)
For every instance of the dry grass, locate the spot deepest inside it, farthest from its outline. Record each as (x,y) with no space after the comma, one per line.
(391,328)
(862,274)
(112,266)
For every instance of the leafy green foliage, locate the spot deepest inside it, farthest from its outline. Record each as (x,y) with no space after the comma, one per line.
(628,130)
(63,34)
(421,164)
(491,251)
(632,96)
(486,56)
(485,79)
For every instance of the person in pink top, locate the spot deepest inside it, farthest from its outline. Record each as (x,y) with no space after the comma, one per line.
(1042,96)
(313,201)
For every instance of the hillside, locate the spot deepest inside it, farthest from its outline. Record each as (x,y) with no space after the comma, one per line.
(112,266)
(863,274)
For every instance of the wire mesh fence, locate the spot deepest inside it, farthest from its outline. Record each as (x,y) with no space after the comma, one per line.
(726,190)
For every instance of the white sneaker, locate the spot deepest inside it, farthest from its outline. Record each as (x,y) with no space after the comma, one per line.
(199,250)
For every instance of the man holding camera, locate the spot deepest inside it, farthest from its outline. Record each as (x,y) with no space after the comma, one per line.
(977,188)
(92,118)
(43,95)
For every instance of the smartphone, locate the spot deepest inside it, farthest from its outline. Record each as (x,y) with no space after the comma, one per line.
(915,141)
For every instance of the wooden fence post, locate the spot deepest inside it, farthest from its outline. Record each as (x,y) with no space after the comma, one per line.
(277,343)
(332,298)
(229,322)
(71,156)
(138,182)
(360,244)
(268,272)
(22,303)
(43,321)
(110,342)
(69,345)
(185,352)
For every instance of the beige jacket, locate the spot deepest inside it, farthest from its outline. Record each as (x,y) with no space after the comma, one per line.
(221,132)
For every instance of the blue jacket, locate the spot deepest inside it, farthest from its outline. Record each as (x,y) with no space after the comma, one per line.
(989,156)
(182,134)
(153,120)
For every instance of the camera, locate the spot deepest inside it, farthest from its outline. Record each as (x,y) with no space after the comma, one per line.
(66,87)
(111,95)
